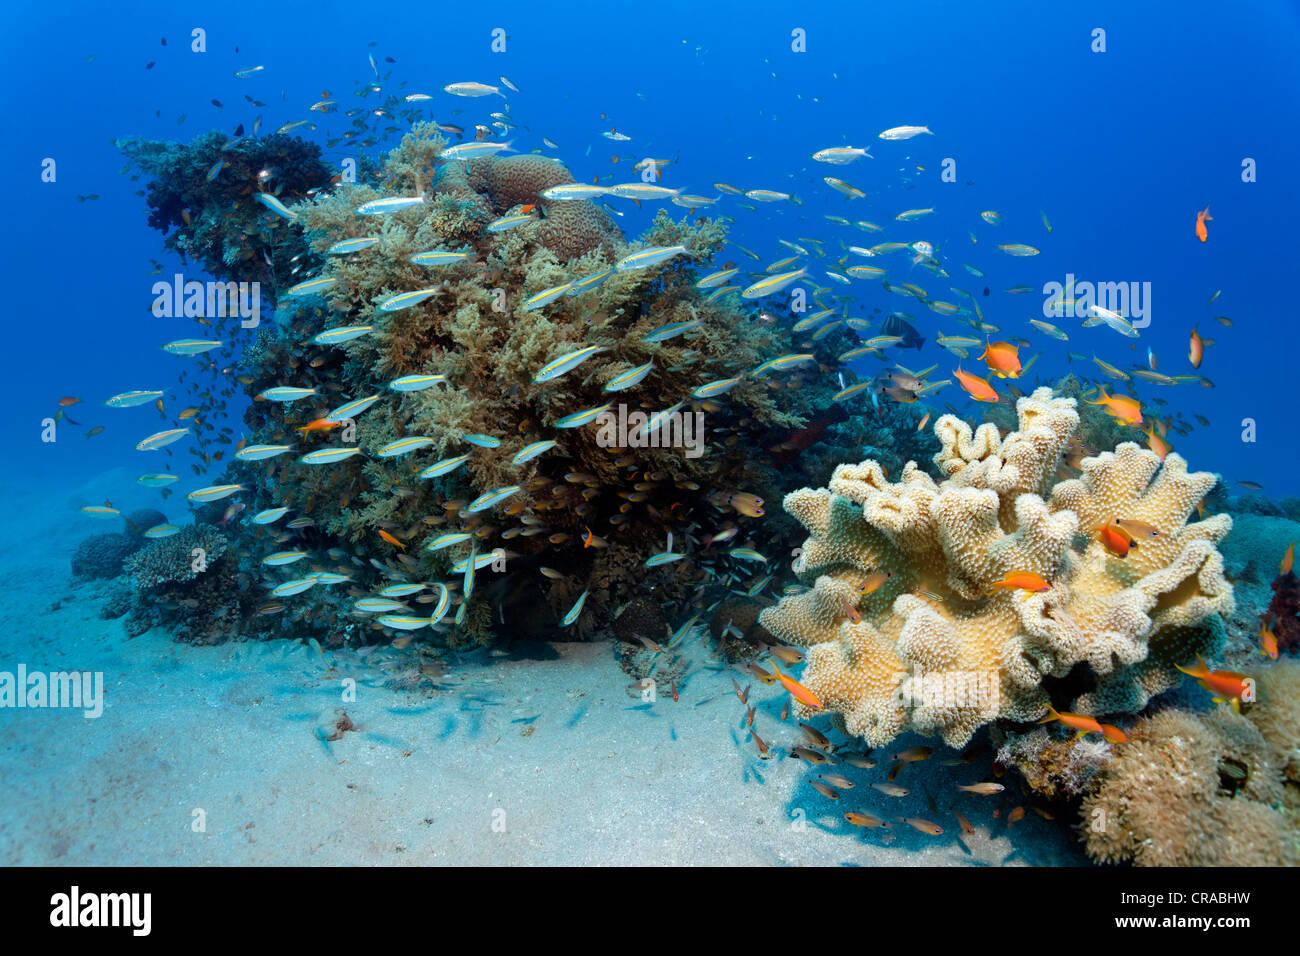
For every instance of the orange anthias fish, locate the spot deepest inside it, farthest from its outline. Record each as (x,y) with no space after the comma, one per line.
(796,689)
(1126,409)
(1288,559)
(319,425)
(1024,581)
(1267,642)
(391,539)
(1196,349)
(1002,357)
(1228,685)
(1115,539)
(1080,722)
(1202,218)
(1137,529)
(1157,443)
(1113,734)
(976,387)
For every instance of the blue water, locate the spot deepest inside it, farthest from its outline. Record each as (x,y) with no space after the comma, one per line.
(1120,149)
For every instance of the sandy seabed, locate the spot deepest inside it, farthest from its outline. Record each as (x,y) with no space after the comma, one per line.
(215,756)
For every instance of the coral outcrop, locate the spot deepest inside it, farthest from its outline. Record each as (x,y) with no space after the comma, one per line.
(1191,789)
(937,648)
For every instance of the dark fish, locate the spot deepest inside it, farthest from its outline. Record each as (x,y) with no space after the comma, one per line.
(896,326)
(150,64)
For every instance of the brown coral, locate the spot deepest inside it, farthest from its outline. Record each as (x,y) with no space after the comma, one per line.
(1191,789)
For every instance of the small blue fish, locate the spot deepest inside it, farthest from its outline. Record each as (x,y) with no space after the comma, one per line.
(483,441)
(574,611)
(584,417)
(665,557)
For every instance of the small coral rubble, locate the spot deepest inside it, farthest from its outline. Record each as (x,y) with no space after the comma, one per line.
(938,648)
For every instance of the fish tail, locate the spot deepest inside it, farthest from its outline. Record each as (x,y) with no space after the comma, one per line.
(1051,715)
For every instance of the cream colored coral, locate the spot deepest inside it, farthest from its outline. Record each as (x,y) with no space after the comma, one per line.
(938,649)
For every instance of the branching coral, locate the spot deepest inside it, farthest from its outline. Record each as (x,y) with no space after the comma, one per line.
(938,648)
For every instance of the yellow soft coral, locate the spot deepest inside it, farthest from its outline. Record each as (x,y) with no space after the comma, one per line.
(938,648)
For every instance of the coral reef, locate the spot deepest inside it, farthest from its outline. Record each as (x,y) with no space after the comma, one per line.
(1191,789)
(217,220)
(189,583)
(1283,613)
(937,647)
(102,555)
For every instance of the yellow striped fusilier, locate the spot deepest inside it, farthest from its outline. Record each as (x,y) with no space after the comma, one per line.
(372,605)
(157,481)
(101,511)
(401,590)
(403,622)
(648,257)
(584,417)
(404,300)
(717,388)
(190,346)
(162,531)
(270,515)
(574,611)
(415,383)
(665,557)
(444,467)
(214,492)
(883,341)
(850,391)
(161,439)
(865,272)
(545,297)
(715,279)
(657,420)
(131,399)
(1018,249)
(578,286)
(261,452)
(670,331)
(330,577)
(438,257)
(826,330)
(783,362)
(631,377)
(312,286)
(557,367)
(491,498)
(480,561)
(281,558)
(277,207)
(290,588)
(403,446)
(344,333)
(381,207)
(804,324)
(440,607)
(351,409)
(347,246)
(285,393)
(327,456)
(467,567)
(447,540)
(529,452)
(721,291)
(509,222)
(773,284)
(747,554)
(483,441)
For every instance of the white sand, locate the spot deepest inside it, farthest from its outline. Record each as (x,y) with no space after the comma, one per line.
(577,769)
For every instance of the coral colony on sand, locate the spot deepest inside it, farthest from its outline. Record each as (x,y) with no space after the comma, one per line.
(479,412)
(939,647)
